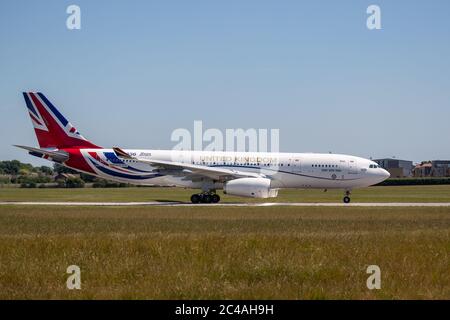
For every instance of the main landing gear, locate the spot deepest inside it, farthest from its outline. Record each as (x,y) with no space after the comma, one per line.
(205,197)
(347,197)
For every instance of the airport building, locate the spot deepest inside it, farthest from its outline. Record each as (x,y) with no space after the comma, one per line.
(5,178)
(434,168)
(396,167)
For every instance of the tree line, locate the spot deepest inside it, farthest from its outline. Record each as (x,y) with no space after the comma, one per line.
(26,175)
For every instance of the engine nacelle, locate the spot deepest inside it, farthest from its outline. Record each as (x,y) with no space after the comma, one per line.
(250,187)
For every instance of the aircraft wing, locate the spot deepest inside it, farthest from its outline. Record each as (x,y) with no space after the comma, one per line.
(190,171)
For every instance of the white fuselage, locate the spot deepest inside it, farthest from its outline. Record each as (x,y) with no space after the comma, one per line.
(286,170)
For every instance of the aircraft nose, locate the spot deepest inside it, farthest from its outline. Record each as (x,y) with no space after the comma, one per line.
(385,174)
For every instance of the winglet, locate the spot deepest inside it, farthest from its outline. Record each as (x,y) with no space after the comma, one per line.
(120,153)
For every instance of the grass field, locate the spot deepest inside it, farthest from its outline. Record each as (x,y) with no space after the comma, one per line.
(224,252)
(436,193)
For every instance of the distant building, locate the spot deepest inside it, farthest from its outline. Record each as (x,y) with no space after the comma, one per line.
(434,168)
(396,167)
(65,176)
(5,178)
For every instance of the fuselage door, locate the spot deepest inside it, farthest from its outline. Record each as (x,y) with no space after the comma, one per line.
(352,167)
(295,165)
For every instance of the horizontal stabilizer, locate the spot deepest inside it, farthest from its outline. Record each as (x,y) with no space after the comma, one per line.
(55,155)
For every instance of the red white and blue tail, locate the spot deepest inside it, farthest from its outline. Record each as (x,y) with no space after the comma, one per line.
(51,127)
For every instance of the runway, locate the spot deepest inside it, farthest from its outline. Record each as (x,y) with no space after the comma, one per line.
(229,204)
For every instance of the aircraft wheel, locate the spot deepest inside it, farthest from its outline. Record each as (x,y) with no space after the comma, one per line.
(195,198)
(346,199)
(206,198)
(215,198)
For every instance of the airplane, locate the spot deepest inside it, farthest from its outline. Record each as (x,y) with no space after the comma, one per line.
(244,174)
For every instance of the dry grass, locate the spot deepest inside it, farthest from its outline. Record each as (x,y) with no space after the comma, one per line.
(221,252)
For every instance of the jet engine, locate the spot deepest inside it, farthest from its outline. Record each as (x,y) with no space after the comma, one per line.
(250,187)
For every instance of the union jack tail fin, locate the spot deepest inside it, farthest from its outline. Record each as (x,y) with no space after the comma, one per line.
(51,127)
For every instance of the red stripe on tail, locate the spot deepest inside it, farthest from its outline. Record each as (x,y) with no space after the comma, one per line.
(57,136)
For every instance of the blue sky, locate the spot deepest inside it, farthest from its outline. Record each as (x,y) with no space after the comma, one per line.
(137,70)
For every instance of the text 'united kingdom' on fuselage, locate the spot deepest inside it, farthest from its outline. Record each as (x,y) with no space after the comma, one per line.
(245,174)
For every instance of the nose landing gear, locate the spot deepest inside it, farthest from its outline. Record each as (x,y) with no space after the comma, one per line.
(347,196)
(205,197)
